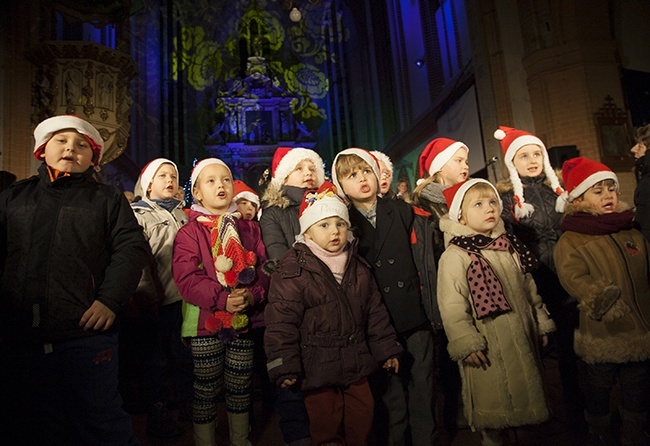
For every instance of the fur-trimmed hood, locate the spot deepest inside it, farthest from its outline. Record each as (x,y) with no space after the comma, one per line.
(577,207)
(274,196)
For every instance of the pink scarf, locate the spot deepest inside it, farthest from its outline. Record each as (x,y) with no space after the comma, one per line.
(335,261)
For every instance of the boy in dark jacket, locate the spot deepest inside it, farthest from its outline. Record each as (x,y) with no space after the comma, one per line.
(326,327)
(384,229)
(71,254)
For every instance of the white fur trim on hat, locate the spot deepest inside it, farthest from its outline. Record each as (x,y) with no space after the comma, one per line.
(523,209)
(592,179)
(323,208)
(47,128)
(147,175)
(457,201)
(202,165)
(246,195)
(381,156)
(441,159)
(364,155)
(289,162)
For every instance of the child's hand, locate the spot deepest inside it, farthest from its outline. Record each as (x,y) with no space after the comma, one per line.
(239,300)
(544,340)
(477,359)
(97,317)
(288,383)
(392,364)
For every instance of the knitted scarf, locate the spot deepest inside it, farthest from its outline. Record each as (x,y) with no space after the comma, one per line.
(598,224)
(484,285)
(335,261)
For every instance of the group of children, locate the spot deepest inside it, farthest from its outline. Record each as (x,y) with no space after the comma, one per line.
(368,306)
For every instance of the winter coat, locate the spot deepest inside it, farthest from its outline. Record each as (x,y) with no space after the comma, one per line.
(642,195)
(431,198)
(608,275)
(509,392)
(279,221)
(63,245)
(541,230)
(196,278)
(322,332)
(388,250)
(160,227)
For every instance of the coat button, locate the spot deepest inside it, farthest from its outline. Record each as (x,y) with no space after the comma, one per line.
(378,263)
(400,284)
(391,261)
(386,289)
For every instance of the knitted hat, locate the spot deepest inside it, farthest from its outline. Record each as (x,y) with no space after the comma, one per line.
(511,141)
(47,128)
(201,165)
(286,159)
(579,174)
(147,174)
(381,156)
(243,191)
(319,204)
(436,154)
(455,194)
(365,155)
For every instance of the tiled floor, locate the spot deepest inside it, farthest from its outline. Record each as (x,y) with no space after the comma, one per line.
(565,428)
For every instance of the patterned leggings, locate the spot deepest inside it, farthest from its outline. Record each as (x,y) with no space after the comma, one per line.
(217,365)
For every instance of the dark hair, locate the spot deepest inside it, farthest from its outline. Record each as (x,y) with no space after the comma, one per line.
(643,135)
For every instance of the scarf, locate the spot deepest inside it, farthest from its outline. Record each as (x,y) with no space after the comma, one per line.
(598,224)
(168,205)
(335,261)
(433,193)
(484,285)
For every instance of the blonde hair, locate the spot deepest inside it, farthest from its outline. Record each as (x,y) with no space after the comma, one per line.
(479,190)
(345,164)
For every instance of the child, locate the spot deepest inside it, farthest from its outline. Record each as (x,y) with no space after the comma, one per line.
(327,328)
(293,171)
(529,194)
(494,337)
(386,174)
(161,215)
(602,261)
(217,268)
(247,201)
(443,163)
(642,170)
(71,253)
(384,229)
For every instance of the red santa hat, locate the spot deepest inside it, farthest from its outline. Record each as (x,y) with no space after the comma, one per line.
(285,160)
(365,155)
(47,128)
(242,190)
(148,172)
(579,174)
(511,141)
(202,165)
(321,203)
(436,154)
(455,194)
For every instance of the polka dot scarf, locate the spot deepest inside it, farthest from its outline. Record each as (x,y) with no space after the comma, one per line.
(484,285)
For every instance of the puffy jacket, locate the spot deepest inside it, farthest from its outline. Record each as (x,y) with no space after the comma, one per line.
(541,230)
(63,245)
(160,227)
(279,221)
(196,278)
(608,275)
(323,332)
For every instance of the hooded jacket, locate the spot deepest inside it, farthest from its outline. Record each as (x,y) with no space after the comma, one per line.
(608,275)
(509,392)
(63,245)
(323,332)
(196,278)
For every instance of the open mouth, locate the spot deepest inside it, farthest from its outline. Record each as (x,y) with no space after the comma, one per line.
(365,188)
(221,194)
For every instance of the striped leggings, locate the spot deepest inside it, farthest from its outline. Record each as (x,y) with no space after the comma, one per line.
(218,366)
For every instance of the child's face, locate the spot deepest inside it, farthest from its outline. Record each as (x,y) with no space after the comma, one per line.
(480,211)
(246,208)
(386,178)
(402,187)
(601,197)
(164,185)
(329,233)
(304,175)
(529,161)
(68,151)
(456,169)
(360,185)
(214,188)
(638,150)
